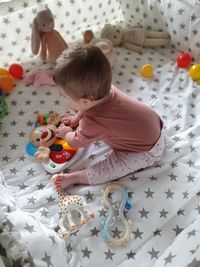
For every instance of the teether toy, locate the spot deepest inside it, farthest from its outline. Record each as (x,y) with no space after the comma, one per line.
(116,214)
(69,203)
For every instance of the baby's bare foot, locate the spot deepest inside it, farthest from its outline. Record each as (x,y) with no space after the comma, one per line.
(62,181)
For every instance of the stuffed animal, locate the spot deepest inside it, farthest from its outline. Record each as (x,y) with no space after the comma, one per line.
(134,38)
(105,45)
(45,38)
(39,78)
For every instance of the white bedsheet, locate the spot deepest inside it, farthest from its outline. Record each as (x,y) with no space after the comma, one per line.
(166,209)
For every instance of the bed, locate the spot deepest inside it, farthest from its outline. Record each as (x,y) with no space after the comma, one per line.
(166,211)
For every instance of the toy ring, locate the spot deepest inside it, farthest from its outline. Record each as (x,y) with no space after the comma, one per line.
(116,214)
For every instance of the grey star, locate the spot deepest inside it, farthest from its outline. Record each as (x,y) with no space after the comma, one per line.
(194,263)
(180,212)
(131,255)
(143,213)
(44,212)
(116,232)
(47,259)
(153,178)
(92,156)
(194,250)
(185,194)
(94,231)
(173,164)
(98,144)
(5,134)
(149,193)
(89,195)
(50,199)
(109,254)
(163,213)
(169,258)
(22,158)
(13,146)
(169,193)
(154,253)
(178,230)
(191,233)
(31,200)
(86,252)
(192,148)
(157,232)
(172,176)
(102,212)
(190,163)
(40,186)
(30,172)
(29,228)
(22,186)
(133,177)
(177,149)
(6,158)
(190,178)
(137,234)
(52,239)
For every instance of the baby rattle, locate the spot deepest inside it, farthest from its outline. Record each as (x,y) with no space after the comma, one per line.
(116,214)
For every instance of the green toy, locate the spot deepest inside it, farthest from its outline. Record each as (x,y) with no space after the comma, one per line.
(3,107)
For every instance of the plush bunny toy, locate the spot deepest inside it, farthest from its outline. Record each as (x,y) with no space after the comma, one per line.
(45,38)
(135,37)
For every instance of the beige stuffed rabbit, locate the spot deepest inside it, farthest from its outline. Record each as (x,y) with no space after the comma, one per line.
(134,38)
(45,38)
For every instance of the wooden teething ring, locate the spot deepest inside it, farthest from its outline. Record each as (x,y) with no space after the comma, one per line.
(109,221)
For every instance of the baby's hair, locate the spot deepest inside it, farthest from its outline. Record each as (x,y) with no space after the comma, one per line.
(84,72)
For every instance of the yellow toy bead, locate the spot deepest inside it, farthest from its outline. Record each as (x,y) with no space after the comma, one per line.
(3,72)
(194,72)
(147,71)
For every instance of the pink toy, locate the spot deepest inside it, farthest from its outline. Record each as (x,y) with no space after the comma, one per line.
(40,77)
(45,38)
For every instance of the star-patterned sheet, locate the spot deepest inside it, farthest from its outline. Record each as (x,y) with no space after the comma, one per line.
(166,209)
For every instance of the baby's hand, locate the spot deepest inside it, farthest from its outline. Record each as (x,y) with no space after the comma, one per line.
(62,130)
(69,120)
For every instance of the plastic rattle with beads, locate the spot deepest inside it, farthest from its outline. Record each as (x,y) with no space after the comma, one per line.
(116,214)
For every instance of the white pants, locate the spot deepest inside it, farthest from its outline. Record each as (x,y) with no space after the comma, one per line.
(120,163)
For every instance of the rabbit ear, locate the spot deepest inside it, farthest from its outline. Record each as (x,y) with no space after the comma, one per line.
(35,37)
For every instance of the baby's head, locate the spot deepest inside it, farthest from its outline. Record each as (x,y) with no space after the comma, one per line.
(84,75)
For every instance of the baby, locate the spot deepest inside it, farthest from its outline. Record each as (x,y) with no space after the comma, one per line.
(133,130)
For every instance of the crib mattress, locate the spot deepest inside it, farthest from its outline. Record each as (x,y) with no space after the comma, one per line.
(166,212)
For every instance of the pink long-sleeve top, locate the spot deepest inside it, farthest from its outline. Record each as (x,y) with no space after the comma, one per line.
(121,122)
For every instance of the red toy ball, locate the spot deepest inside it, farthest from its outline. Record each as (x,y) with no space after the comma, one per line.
(184,60)
(16,71)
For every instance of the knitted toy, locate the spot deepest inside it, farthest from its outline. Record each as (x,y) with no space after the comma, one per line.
(134,38)
(105,45)
(45,38)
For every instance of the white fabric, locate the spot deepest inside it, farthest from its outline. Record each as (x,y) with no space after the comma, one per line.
(166,211)
(165,197)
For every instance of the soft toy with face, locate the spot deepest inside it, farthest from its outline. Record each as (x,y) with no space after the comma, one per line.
(43,135)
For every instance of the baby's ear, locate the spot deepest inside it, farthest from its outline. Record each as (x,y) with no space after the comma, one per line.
(86,99)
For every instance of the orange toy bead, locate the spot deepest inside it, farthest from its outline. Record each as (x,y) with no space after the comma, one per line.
(6,84)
